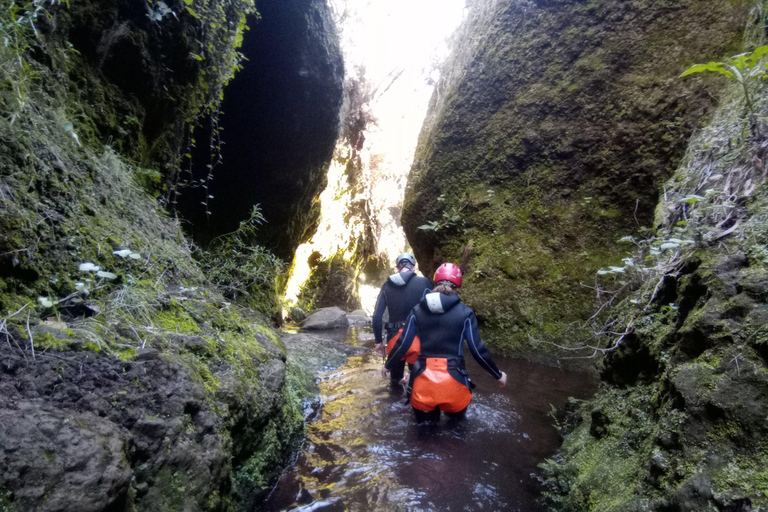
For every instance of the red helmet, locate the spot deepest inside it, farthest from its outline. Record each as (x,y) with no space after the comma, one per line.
(448,272)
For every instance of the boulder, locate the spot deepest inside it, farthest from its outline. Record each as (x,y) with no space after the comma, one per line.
(358,320)
(324,319)
(63,460)
(554,125)
(298,314)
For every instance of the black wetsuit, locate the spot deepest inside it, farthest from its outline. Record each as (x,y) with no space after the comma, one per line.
(399,294)
(443,322)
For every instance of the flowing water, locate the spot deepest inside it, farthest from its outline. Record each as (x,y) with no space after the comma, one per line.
(365,451)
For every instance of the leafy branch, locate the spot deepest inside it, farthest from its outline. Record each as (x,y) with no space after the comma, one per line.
(743,69)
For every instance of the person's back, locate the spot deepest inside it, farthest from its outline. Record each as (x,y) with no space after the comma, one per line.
(399,294)
(443,322)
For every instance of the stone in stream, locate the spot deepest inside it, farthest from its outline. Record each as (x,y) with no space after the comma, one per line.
(317,353)
(298,314)
(325,319)
(355,319)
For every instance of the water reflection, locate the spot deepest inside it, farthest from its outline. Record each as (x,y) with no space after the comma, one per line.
(365,451)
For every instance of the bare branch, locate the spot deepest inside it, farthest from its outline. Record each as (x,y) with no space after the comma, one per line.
(31,340)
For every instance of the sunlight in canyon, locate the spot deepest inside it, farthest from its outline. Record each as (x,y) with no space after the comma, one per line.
(397,46)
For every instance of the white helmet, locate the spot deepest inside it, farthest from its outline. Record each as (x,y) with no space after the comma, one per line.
(406,257)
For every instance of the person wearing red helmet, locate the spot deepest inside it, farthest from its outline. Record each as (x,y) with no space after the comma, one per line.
(442,323)
(398,295)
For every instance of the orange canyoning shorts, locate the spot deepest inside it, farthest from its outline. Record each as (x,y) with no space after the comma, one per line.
(436,388)
(413,353)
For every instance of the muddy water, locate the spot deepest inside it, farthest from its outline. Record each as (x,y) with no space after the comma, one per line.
(365,451)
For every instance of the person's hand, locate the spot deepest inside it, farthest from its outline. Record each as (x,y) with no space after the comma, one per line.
(384,373)
(503,380)
(380,350)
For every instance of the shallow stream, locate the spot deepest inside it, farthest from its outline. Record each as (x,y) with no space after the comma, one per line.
(364,452)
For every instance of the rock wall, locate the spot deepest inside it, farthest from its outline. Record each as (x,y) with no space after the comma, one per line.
(128,382)
(679,423)
(280,122)
(548,138)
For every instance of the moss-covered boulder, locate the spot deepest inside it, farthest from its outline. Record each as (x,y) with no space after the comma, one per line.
(550,132)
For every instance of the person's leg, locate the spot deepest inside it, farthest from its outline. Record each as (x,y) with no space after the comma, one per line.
(396,374)
(457,416)
(424,416)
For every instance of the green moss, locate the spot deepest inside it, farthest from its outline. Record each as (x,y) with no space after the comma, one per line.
(6,505)
(602,473)
(209,381)
(744,477)
(92,347)
(176,319)
(171,491)
(282,435)
(541,170)
(48,340)
(128,354)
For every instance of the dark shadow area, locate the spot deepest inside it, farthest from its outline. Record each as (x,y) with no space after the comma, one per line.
(280,122)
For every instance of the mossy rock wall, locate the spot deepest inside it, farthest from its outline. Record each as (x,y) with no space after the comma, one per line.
(139,388)
(139,73)
(679,423)
(549,135)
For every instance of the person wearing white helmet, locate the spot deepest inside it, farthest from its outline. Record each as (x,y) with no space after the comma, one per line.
(398,295)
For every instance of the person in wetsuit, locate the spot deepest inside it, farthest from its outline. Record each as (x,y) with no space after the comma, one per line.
(442,323)
(399,294)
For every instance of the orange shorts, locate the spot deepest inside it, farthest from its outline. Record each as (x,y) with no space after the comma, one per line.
(436,388)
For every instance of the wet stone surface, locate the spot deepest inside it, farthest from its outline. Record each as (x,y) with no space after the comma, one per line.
(365,452)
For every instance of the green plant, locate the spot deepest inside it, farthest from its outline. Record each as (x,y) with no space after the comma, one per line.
(744,69)
(243,271)
(450,218)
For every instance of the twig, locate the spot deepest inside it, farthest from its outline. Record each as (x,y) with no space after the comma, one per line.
(729,230)
(637,204)
(18,311)
(78,292)
(3,330)
(736,360)
(143,342)
(31,340)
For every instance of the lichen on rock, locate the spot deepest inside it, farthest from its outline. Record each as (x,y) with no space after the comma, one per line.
(680,421)
(549,134)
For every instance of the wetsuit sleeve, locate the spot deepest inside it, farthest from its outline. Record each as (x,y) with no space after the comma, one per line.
(477,347)
(378,315)
(404,342)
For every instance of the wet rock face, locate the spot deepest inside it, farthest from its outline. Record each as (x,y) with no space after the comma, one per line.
(136,76)
(681,425)
(63,461)
(88,432)
(281,121)
(549,135)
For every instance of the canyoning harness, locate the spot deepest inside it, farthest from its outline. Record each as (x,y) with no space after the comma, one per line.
(413,351)
(455,367)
